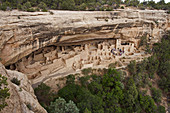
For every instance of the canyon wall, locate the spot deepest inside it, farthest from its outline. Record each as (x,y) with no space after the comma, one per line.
(22,98)
(21,33)
(41,43)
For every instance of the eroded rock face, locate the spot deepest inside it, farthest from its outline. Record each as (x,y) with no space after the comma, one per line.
(39,44)
(22,98)
(21,33)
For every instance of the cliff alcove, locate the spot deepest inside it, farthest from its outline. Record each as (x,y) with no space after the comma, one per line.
(41,45)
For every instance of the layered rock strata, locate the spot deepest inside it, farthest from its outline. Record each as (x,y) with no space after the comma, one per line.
(39,44)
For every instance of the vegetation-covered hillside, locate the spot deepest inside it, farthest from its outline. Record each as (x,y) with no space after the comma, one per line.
(139,90)
(99,5)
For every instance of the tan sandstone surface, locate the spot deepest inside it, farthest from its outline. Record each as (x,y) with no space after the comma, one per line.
(40,44)
(21,96)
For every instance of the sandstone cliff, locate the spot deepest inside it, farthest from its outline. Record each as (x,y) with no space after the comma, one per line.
(22,98)
(21,33)
(40,44)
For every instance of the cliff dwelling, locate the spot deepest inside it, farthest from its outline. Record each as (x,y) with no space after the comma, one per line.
(68,42)
(95,53)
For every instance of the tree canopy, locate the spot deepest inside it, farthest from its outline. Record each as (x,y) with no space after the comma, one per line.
(100,5)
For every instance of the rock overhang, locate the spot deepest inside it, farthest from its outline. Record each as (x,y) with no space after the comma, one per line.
(25,32)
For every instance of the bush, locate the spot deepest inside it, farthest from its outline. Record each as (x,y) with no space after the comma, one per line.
(15,81)
(70,79)
(168,11)
(122,7)
(86,71)
(37,9)
(147,49)
(29,106)
(109,9)
(142,8)
(44,10)
(112,65)
(106,19)
(143,41)
(31,10)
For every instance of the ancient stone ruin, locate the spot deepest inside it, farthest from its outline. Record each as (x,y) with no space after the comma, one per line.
(97,53)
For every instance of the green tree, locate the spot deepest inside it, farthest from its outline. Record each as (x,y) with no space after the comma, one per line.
(70,92)
(33,2)
(134,3)
(3,6)
(84,81)
(91,102)
(151,3)
(131,95)
(44,94)
(152,66)
(19,7)
(147,104)
(132,67)
(60,106)
(162,52)
(70,79)
(127,2)
(143,41)
(42,5)
(4,91)
(164,84)
(87,111)
(141,67)
(95,88)
(82,97)
(112,91)
(83,6)
(68,5)
(161,109)
(156,94)
(27,5)
(161,2)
